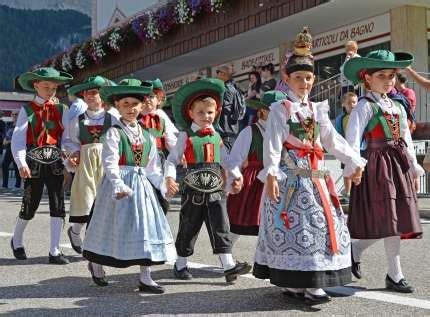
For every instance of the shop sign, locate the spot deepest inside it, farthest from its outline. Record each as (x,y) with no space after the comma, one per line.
(171,85)
(245,64)
(359,31)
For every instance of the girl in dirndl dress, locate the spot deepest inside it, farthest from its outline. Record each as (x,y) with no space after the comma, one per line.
(384,206)
(128,226)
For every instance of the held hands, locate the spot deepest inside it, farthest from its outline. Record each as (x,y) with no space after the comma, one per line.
(121,195)
(24,172)
(236,185)
(74,159)
(272,188)
(356,177)
(172,187)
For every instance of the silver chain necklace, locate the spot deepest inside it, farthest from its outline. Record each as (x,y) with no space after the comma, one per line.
(136,137)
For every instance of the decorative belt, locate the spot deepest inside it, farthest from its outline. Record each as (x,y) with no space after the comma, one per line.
(302,172)
(206,179)
(47,154)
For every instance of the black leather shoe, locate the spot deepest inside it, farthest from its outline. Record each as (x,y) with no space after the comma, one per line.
(401,286)
(183,274)
(18,253)
(316,299)
(154,289)
(58,259)
(294,295)
(355,267)
(239,269)
(100,281)
(77,248)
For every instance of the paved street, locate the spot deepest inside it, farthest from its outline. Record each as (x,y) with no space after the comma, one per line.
(36,288)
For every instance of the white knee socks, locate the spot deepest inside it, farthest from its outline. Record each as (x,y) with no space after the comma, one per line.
(227,261)
(392,250)
(181,262)
(97,269)
(18,234)
(145,276)
(56,227)
(77,228)
(359,245)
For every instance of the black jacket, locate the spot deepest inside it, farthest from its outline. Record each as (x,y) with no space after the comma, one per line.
(233,110)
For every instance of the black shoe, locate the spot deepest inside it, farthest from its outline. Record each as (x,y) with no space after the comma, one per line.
(18,253)
(401,286)
(183,274)
(316,299)
(77,248)
(100,281)
(294,295)
(355,267)
(58,259)
(154,289)
(239,269)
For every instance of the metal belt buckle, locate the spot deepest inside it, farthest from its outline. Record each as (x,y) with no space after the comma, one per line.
(206,180)
(44,154)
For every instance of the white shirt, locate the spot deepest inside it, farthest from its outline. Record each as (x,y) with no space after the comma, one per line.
(277,131)
(363,112)
(19,136)
(110,158)
(176,154)
(345,82)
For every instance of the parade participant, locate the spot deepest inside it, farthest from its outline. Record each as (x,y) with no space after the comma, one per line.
(196,108)
(128,226)
(384,206)
(36,151)
(159,125)
(82,143)
(349,101)
(247,153)
(303,241)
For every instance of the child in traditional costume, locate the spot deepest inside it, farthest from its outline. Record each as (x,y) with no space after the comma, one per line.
(37,152)
(195,107)
(128,226)
(159,125)
(384,206)
(303,243)
(247,153)
(83,144)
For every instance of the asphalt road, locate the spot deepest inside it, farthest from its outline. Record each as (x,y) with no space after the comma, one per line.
(35,288)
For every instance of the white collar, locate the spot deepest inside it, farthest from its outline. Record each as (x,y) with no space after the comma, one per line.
(262,123)
(39,100)
(296,98)
(96,114)
(195,127)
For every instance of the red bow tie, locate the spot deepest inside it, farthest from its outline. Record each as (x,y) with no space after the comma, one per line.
(151,121)
(205,132)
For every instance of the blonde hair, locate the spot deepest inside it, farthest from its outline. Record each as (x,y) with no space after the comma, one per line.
(352,45)
(207,101)
(347,95)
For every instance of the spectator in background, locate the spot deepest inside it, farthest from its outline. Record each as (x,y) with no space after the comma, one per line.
(8,158)
(253,93)
(2,133)
(233,107)
(351,48)
(407,92)
(349,101)
(423,82)
(269,83)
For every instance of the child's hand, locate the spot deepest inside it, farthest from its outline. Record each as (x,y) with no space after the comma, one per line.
(24,172)
(356,177)
(172,187)
(236,185)
(74,158)
(121,195)
(272,188)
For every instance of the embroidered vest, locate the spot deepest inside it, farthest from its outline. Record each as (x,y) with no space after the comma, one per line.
(93,133)
(256,149)
(383,126)
(299,132)
(130,154)
(44,124)
(202,149)
(156,130)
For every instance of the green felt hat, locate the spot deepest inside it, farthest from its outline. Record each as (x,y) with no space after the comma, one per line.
(126,87)
(157,84)
(91,83)
(266,99)
(382,59)
(27,79)
(185,96)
